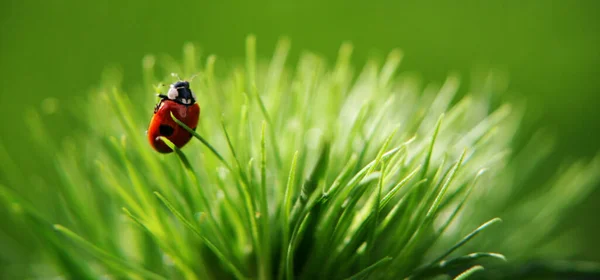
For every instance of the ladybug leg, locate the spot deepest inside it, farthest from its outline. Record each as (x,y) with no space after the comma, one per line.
(157,106)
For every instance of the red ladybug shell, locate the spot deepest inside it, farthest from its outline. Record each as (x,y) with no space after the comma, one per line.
(163,125)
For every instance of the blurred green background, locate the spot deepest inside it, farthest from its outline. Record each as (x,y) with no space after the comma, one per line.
(550,49)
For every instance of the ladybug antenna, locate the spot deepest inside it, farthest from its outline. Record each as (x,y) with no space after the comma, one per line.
(193,76)
(176,76)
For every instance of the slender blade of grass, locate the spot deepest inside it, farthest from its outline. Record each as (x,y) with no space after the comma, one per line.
(287,205)
(199,137)
(365,272)
(467,238)
(431,145)
(106,257)
(238,274)
(469,272)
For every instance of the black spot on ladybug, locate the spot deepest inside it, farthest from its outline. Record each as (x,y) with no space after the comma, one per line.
(165,130)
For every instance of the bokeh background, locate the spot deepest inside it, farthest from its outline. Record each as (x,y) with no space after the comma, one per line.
(550,50)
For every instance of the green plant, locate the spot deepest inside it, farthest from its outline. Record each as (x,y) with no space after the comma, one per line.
(299,173)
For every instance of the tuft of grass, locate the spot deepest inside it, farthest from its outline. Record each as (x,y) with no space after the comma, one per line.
(313,171)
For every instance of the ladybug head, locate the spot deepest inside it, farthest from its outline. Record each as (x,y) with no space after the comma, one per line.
(180,92)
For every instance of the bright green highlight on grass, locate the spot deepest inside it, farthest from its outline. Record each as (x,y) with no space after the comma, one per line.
(314,172)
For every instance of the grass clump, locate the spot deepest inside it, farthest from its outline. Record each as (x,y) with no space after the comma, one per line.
(311,172)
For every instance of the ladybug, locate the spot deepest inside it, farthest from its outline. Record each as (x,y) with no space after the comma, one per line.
(181,101)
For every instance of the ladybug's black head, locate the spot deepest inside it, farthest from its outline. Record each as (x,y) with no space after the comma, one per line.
(180,92)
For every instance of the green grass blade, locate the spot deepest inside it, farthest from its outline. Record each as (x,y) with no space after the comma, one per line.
(390,194)
(462,203)
(375,213)
(178,152)
(241,171)
(470,258)
(251,69)
(469,272)
(311,184)
(245,192)
(199,137)
(431,145)
(467,238)
(238,274)
(365,272)
(438,198)
(459,263)
(106,257)
(287,206)
(289,266)
(265,246)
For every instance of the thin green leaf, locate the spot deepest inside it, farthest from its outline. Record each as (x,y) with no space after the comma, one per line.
(106,257)
(178,152)
(311,183)
(375,212)
(238,274)
(467,238)
(469,272)
(365,272)
(430,150)
(265,246)
(199,137)
(287,205)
